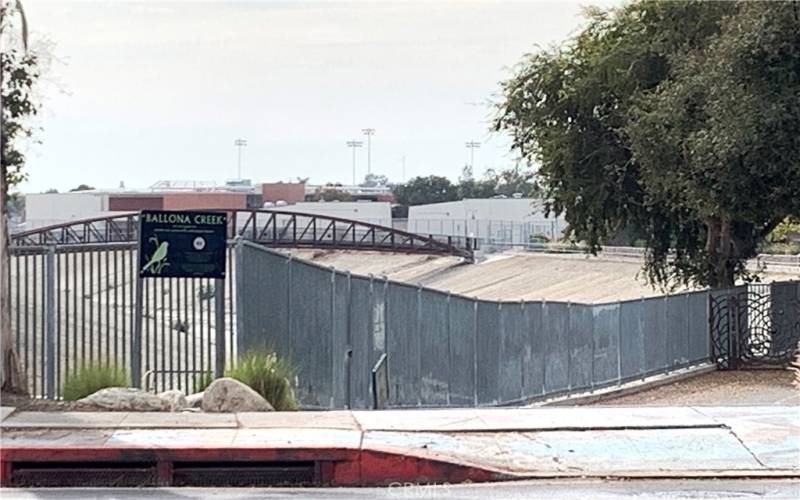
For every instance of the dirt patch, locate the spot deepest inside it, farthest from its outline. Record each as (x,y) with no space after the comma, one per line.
(721,388)
(26,403)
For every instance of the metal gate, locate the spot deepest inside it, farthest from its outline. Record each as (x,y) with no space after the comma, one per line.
(754,325)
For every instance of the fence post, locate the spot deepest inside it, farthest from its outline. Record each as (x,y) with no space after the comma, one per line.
(475,351)
(348,350)
(50,325)
(219,334)
(136,338)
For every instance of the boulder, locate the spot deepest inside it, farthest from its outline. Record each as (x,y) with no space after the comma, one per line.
(194,400)
(229,395)
(175,398)
(126,399)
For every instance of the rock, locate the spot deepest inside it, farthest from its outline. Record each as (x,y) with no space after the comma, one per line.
(175,398)
(229,395)
(126,399)
(195,400)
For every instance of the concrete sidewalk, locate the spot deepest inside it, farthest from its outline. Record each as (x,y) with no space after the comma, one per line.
(380,447)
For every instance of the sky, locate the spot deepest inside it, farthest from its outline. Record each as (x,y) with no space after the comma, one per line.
(138,92)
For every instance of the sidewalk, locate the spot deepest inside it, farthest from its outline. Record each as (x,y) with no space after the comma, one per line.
(381,447)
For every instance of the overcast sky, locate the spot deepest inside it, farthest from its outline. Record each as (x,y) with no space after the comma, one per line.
(140,92)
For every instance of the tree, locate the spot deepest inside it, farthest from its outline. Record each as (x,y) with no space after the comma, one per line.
(18,75)
(468,187)
(658,118)
(424,190)
(329,192)
(82,187)
(374,180)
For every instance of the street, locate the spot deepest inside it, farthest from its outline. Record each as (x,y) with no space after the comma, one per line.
(641,490)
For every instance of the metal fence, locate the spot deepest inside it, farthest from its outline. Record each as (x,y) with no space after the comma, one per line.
(74,305)
(448,350)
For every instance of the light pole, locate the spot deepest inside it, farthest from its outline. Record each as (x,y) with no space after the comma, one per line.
(472,145)
(240,143)
(368,132)
(353,145)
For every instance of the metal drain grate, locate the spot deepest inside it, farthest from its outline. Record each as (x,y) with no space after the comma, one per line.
(243,474)
(99,474)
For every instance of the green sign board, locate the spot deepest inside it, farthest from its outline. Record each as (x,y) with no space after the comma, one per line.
(182,244)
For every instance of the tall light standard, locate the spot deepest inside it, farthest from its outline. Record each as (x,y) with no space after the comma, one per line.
(472,145)
(353,145)
(368,132)
(240,143)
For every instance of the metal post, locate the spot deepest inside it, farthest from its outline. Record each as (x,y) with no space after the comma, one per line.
(50,323)
(136,338)
(219,340)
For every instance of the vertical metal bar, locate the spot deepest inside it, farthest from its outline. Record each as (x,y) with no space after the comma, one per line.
(185,334)
(163,354)
(91,306)
(74,290)
(58,336)
(136,338)
(17,329)
(84,275)
(170,352)
(192,332)
(219,296)
(475,352)
(207,337)
(50,323)
(35,332)
(231,323)
(347,348)
(116,331)
(108,331)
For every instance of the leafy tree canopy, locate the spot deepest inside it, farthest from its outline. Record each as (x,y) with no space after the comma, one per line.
(81,187)
(679,120)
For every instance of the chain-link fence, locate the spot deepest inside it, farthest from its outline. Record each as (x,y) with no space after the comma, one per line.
(449,350)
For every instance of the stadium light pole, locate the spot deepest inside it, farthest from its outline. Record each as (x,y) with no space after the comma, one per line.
(353,145)
(369,132)
(472,145)
(240,143)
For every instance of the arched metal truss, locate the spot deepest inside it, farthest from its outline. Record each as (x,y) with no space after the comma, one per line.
(272,228)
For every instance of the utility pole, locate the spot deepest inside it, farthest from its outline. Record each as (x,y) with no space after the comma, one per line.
(368,132)
(472,145)
(353,145)
(240,143)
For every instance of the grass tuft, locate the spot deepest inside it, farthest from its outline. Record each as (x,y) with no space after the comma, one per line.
(91,378)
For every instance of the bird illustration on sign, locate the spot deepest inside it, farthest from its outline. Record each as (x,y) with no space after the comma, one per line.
(159,258)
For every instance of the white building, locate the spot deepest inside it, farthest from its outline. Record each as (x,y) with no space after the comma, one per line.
(499,220)
(45,209)
(373,212)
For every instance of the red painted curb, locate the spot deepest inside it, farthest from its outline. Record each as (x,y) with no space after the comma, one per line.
(333,466)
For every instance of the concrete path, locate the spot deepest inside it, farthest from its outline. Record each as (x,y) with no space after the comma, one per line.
(500,443)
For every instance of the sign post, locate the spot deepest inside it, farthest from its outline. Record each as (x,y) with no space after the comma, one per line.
(186,244)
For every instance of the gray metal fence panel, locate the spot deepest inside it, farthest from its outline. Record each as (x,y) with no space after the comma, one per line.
(362,302)
(697,333)
(655,334)
(555,329)
(606,333)
(581,346)
(310,333)
(340,326)
(632,343)
(462,351)
(534,360)
(676,329)
(512,340)
(488,352)
(434,337)
(402,343)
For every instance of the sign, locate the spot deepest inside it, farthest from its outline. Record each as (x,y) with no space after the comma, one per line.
(182,244)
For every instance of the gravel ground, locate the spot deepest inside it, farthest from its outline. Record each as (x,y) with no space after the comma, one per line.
(721,388)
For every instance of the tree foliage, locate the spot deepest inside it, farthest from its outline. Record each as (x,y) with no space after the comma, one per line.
(678,120)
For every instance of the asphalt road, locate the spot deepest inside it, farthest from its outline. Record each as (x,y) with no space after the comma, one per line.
(644,489)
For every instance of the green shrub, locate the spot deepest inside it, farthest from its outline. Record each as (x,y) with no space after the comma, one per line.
(268,375)
(91,378)
(202,380)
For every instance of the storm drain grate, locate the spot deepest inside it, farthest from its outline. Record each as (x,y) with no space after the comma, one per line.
(85,474)
(243,474)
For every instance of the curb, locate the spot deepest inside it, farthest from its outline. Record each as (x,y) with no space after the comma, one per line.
(634,387)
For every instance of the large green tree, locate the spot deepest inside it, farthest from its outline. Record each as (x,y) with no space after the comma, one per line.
(678,120)
(19,71)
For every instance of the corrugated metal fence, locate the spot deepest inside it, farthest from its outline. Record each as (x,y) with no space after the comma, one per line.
(449,350)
